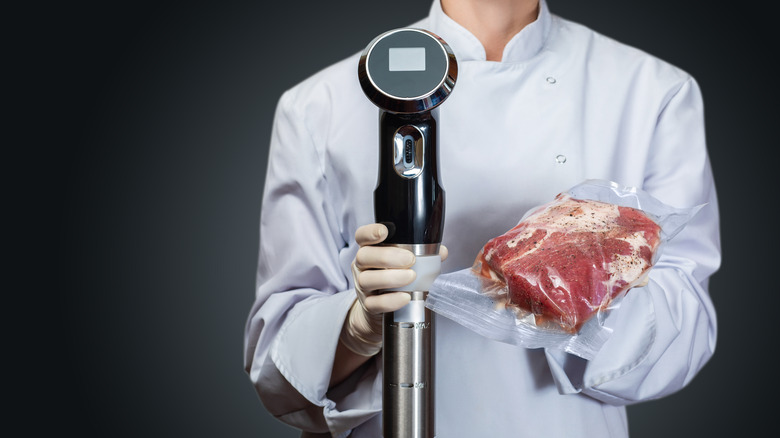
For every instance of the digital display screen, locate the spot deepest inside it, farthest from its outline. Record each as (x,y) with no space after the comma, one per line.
(407,58)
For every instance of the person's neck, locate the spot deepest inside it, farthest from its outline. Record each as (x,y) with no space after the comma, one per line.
(493,22)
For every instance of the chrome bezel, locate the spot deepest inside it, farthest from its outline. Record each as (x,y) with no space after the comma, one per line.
(395,104)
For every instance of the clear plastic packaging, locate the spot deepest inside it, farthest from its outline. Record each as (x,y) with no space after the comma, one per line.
(552,279)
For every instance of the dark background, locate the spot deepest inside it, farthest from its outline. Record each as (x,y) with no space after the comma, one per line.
(143,132)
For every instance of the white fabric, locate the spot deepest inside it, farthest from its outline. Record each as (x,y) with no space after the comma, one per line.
(561,90)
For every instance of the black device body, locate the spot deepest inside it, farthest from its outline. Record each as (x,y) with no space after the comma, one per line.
(411,208)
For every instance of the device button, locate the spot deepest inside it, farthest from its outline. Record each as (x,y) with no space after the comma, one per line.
(408,151)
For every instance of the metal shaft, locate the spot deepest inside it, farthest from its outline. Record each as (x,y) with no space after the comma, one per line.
(408,400)
(408,356)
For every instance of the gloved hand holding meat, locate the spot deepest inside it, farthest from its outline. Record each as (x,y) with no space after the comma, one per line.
(551,280)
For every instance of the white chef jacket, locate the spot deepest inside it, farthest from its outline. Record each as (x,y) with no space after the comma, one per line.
(564,104)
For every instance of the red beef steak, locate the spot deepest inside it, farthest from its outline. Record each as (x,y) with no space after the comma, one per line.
(570,258)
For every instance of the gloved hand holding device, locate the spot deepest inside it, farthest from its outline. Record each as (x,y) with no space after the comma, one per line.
(374,269)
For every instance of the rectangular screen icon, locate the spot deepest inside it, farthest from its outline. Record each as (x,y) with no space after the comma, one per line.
(407,58)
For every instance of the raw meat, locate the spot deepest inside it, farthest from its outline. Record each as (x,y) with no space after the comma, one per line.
(570,258)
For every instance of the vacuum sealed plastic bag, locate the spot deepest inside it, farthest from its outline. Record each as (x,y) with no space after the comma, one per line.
(552,279)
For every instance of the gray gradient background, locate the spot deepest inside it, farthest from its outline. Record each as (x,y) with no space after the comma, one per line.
(152,122)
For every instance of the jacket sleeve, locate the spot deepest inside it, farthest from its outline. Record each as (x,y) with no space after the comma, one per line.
(664,333)
(303,294)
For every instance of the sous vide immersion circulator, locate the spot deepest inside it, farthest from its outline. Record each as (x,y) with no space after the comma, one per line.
(408,73)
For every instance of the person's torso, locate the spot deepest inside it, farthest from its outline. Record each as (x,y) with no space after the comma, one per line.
(511,137)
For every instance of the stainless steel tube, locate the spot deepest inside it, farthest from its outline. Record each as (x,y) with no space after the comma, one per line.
(408,360)
(408,399)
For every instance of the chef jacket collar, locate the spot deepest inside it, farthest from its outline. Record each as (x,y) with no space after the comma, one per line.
(527,43)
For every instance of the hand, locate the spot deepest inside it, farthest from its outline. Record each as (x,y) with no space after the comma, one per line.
(374,269)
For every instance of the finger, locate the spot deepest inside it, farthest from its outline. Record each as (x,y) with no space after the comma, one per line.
(387,302)
(371,234)
(383,257)
(372,280)
(443,252)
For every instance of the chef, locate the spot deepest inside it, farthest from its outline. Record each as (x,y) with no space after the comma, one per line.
(541,104)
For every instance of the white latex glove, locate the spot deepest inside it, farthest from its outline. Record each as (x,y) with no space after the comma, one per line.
(376,268)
